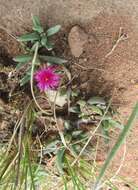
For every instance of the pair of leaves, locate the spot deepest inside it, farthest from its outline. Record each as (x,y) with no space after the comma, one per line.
(37,27)
(24,59)
(45,37)
(79,109)
(33,37)
(40,35)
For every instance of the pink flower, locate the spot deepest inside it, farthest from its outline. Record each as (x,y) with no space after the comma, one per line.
(47,78)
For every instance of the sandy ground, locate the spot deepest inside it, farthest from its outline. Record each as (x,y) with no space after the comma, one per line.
(101,20)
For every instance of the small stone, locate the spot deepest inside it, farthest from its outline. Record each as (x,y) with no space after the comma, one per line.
(77,39)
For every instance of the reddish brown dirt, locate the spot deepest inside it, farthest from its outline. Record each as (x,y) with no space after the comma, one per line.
(119,70)
(118,73)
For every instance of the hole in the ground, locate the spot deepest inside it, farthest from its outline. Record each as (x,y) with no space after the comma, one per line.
(4,95)
(5,58)
(3,77)
(126,185)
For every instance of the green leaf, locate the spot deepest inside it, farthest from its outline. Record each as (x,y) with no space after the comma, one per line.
(114,123)
(53,30)
(28,72)
(96,110)
(19,65)
(75,178)
(106,134)
(29,37)
(25,79)
(83,116)
(36,21)
(37,25)
(23,58)
(59,160)
(27,76)
(68,138)
(67,125)
(75,93)
(44,40)
(117,145)
(106,125)
(84,135)
(74,149)
(38,29)
(63,91)
(48,45)
(96,100)
(52,59)
(51,147)
(34,46)
(81,103)
(65,182)
(74,109)
(75,134)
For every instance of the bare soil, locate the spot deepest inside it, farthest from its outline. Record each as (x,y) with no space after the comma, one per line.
(116,75)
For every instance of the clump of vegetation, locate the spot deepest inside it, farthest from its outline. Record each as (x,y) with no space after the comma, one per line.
(39,38)
(55,142)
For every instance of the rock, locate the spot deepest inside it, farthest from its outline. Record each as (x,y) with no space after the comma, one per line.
(77,39)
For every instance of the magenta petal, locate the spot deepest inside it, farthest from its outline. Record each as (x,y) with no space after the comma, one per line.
(46,78)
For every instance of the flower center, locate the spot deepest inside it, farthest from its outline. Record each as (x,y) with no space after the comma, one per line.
(46,79)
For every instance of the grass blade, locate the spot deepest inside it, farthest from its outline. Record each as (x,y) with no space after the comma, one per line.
(30,169)
(59,160)
(117,145)
(74,177)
